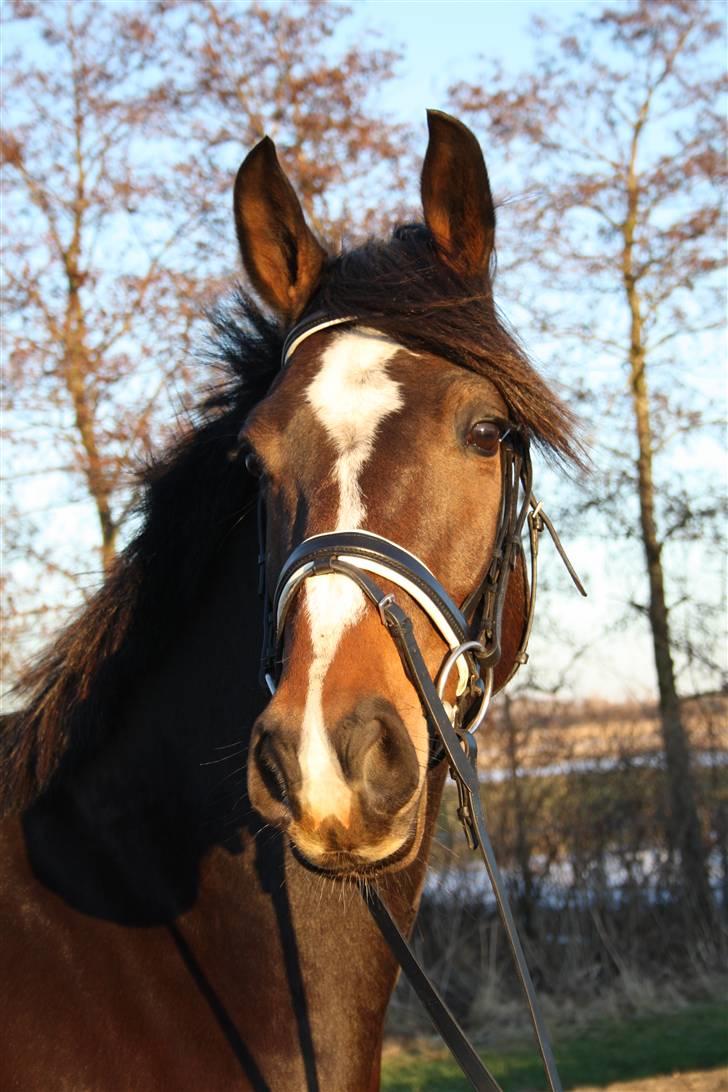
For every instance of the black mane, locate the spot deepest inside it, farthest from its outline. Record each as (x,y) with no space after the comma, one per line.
(398,287)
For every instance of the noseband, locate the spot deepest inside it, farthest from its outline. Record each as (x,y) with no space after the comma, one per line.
(472,634)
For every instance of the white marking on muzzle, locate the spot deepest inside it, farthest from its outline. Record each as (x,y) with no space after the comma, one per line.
(350,395)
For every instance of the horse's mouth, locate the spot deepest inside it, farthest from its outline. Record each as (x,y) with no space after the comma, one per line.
(340,863)
(345,865)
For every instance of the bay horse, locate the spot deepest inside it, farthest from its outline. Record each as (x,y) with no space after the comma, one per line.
(182,854)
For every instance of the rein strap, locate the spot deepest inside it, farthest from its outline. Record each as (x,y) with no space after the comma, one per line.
(461,750)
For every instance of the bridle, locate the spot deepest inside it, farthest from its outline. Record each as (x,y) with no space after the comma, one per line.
(472,633)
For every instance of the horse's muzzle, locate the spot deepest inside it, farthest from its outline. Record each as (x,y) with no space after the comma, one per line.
(347,795)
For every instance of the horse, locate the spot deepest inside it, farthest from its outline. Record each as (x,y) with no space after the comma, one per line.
(183,853)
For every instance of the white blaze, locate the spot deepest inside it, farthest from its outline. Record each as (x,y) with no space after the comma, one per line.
(350,395)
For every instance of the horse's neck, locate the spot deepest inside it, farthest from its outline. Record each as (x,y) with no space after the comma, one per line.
(169,783)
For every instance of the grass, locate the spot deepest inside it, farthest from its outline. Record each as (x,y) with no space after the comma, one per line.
(694,1038)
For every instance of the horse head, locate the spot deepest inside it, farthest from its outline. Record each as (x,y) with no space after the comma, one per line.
(379,424)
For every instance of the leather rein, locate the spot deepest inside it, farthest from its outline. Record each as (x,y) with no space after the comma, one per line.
(472,633)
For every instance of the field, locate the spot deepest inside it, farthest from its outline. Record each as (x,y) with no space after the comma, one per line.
(692,1041)
(595,731)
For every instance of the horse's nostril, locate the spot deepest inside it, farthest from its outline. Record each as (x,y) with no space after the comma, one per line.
(270,771)
(275,761)
(375,749)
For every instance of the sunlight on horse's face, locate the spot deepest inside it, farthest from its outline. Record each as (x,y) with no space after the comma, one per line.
(360,433)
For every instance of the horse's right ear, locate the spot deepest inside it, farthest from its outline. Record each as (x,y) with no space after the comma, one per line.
(280,254)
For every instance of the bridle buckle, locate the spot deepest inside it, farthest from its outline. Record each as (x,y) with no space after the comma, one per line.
(487,693)
(382,604)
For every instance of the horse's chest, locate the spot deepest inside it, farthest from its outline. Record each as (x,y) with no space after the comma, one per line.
(220,1000)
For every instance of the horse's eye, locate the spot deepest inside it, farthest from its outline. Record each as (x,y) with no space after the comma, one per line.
(253,465)
(485,437)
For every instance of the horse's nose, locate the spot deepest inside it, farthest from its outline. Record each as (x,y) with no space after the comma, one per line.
(377,757)
(366,765)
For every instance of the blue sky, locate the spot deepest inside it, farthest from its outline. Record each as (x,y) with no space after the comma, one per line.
(444,39)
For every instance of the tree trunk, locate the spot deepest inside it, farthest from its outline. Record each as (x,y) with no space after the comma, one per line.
(685,833)
(78,368)
(79,363)
(684,825)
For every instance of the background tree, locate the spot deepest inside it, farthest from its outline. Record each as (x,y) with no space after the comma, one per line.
(82,276)
(626,157)
(301,83)
(123,128)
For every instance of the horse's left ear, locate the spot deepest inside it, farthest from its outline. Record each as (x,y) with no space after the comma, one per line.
(456,197)
(280,253)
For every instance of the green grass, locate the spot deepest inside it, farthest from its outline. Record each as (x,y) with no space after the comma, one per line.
(694,1038)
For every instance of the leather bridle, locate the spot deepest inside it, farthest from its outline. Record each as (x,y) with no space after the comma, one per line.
(472,633)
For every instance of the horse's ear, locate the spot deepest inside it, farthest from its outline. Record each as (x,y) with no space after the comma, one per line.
(280,254)
(456,197)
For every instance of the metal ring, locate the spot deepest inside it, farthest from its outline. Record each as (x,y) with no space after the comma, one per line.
(452,658)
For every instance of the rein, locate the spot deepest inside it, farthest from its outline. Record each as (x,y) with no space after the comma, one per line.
(472,633)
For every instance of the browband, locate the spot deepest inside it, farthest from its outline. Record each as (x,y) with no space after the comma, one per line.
(311,325)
